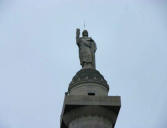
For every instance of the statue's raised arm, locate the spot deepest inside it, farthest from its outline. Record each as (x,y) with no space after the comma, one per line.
(77,35)
(87,49)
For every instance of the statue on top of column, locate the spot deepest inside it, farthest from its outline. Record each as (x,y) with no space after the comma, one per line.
(87,49)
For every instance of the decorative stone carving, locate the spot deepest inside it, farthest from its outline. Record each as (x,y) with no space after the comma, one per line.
(88,76)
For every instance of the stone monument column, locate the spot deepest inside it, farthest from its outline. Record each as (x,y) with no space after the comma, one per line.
(87,104)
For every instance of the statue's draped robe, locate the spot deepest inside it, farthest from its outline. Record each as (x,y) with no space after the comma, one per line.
(87,48)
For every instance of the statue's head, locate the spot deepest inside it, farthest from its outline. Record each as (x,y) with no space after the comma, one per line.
(85,33)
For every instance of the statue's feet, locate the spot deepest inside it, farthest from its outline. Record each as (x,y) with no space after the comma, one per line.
(87,65)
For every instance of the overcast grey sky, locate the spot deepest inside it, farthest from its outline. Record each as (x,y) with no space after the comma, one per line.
(39,57)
